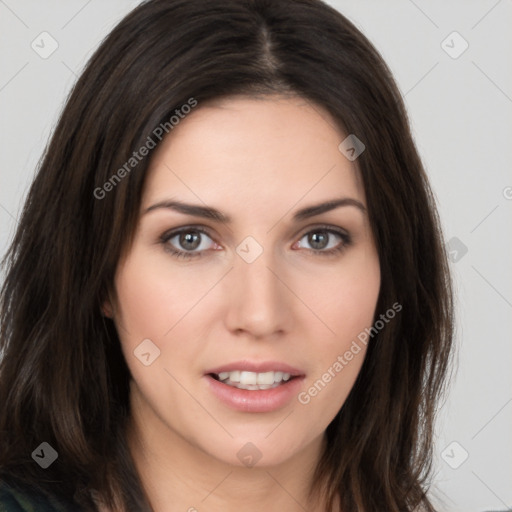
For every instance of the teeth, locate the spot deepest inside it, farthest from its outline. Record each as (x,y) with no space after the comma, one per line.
(253,380)
(266,378)
(234,376)
(248,378)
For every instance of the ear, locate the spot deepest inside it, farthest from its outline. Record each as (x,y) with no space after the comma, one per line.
(106,309)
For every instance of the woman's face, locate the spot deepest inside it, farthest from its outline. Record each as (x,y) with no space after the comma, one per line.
(237,273)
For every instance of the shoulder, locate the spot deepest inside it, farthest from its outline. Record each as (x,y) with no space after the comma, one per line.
(14,498)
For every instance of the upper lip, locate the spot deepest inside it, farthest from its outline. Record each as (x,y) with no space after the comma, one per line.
(257,367)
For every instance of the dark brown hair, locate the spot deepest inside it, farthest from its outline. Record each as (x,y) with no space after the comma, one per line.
(63,378)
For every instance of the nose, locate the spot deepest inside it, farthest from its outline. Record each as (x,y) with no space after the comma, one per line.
(258,302)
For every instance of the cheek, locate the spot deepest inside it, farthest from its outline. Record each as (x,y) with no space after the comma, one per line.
(152,299)
(346,305)
(160,303)
(152,304)
(346,298)
(338,357)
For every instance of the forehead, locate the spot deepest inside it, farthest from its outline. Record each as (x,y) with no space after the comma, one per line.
(255,154)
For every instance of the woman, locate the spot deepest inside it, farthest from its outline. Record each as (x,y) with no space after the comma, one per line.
(228,286)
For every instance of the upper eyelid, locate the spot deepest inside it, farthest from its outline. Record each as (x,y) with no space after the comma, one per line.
(206,230)
(323,226)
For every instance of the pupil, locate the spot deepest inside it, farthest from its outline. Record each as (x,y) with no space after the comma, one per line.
(189,240)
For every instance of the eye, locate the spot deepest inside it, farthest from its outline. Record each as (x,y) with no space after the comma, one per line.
(324,241)
(187,242)
(192,242)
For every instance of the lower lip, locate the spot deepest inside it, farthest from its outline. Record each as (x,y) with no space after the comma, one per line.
(263,400)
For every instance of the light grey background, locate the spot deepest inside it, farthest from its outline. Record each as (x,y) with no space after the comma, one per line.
(461,112)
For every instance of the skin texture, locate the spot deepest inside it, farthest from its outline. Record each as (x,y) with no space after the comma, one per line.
(258,161)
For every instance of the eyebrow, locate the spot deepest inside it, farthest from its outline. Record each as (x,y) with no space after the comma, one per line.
(208,212)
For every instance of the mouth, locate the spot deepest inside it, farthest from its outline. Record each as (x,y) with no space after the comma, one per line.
(253,381)
(255,387)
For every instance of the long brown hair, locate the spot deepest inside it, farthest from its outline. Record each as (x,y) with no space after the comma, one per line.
(63,379)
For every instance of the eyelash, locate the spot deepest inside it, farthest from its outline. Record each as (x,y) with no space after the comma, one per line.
(346,240)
